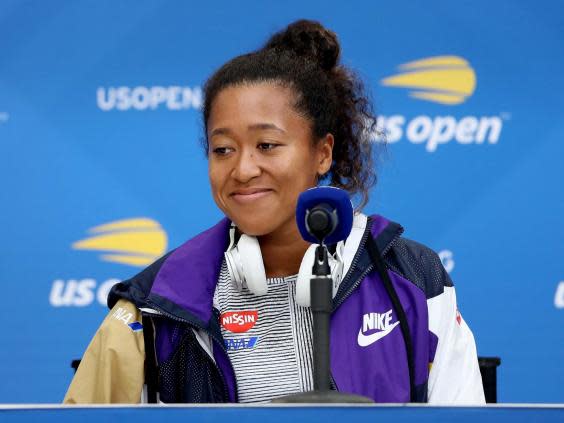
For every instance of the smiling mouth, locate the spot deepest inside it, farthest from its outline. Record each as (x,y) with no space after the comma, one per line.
(244,198)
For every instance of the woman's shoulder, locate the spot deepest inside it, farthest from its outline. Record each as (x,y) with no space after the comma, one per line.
(412,260)
(136,288)
(169,270)
(419,264)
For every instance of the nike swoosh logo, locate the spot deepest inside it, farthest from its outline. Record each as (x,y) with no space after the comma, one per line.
(366,340)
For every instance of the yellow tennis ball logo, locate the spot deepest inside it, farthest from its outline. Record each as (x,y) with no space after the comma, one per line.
(136,242)
(440,79)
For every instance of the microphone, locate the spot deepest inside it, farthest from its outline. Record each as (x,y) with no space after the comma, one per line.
(324,215)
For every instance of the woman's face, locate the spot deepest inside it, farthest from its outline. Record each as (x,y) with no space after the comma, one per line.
(261,157)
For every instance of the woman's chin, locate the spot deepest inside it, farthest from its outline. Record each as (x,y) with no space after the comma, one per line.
(258,225)
(253,229)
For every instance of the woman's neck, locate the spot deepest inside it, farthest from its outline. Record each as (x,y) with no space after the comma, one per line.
(282,252)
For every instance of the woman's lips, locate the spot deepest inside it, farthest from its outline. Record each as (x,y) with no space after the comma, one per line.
(249,197)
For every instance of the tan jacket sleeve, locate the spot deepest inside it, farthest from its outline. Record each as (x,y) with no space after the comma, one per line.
(112,368)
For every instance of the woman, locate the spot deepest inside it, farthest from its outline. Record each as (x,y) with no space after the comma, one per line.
(278,121)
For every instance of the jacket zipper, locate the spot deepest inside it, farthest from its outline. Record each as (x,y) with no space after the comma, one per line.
(178,319)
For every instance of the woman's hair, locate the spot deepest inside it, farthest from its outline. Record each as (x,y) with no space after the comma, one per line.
(305,57)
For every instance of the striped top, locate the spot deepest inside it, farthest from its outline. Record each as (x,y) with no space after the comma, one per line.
(268,338)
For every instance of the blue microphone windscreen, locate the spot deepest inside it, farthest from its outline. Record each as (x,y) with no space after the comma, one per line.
(336,198)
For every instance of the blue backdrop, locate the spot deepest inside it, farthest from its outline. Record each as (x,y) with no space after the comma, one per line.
(103,171)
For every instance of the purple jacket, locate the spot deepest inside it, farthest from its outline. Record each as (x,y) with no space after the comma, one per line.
(368,352)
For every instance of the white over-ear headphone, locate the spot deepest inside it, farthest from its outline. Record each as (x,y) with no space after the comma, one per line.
(246,268)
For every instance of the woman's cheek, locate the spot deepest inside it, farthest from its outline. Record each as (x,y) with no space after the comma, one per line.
(216,193)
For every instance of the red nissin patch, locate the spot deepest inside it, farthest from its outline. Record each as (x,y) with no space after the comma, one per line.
(239,321)
(458,317)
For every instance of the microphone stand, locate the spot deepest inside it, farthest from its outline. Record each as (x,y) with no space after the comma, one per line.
(321,307)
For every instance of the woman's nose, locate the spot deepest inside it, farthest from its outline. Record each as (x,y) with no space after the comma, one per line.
(246,167)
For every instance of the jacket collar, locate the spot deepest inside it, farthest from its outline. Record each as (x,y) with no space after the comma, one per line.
(185,283)
(384,232)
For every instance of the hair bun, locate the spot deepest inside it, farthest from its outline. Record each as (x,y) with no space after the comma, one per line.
(309,39)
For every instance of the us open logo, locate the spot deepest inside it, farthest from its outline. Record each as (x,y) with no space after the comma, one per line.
(445,80)
(442,79)
(143,98)
(134,242)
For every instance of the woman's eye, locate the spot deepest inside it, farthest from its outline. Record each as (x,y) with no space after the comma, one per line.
(267,146)
(222,151)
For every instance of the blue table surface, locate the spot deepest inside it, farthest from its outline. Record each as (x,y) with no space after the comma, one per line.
(283,413)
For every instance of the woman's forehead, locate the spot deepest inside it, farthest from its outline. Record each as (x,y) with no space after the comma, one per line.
(263,95)
(265,105)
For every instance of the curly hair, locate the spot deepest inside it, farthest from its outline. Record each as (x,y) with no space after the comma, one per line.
(305,57)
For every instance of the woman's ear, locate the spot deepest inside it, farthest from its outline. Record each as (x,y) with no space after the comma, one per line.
(325,153)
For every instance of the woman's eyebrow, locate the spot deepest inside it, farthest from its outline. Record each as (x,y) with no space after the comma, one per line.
(220,131)
(253,127)
(263,126)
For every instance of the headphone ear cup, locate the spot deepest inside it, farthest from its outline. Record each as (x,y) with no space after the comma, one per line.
(252,265)
(303,282)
